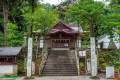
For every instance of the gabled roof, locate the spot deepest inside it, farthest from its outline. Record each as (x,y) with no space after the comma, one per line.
(9,51)
(66,28)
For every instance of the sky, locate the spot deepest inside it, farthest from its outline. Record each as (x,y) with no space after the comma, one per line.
(55,2)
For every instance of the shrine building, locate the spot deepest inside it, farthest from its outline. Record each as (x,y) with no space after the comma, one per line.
(64,36)
(8,58)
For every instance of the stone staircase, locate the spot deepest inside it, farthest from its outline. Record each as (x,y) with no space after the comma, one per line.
(60,63)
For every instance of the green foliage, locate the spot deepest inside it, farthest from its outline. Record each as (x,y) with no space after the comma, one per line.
(42,19)
(104,19)
(107,58)
(15,37)
(20,14)
(62,8)
(112,18)
(86,12)
(117,65)
(115,2)
(20,63)
(1,39)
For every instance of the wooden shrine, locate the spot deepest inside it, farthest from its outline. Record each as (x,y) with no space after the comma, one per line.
(63,36)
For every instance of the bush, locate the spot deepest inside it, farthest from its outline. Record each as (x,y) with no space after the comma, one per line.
(108,58)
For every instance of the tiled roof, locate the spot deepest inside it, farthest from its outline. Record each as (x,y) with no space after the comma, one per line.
(9,51)
(68,28)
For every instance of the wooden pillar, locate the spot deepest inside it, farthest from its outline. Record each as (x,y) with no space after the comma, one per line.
(15,59)
(51,45)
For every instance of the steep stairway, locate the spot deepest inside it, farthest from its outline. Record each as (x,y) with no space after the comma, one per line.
(60,63)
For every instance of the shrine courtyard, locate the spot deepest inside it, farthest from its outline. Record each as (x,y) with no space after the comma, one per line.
(62,58)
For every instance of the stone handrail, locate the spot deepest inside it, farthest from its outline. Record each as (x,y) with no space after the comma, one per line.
(44,58)
(77,61)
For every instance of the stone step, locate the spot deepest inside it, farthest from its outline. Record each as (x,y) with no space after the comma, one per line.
(59,70)
(61,66)
(49,67)
(68,60)
(60,63)
(44,74)
(60,73)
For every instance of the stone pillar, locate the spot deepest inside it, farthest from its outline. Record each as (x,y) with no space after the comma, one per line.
(93,57)
(110,72)
(77,61)
(88,66)
(29,58)
(25,40)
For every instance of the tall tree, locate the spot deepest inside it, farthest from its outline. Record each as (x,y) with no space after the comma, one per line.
(90,13)
(43,19)
(61,9)
(113,16)
(33,4)
(9,10)
(5,14)
(29,56)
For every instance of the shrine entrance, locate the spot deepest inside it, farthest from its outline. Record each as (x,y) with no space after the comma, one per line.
(61,43)
(62,36)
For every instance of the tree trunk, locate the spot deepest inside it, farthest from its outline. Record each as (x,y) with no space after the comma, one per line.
(5,14)
(30,40)
(93,50)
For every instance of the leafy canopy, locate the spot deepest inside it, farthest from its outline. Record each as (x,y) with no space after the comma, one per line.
(42,19)
(113,17)
(85,12)
(15,37)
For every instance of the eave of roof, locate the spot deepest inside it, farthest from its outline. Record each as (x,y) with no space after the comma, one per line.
(10,51)
(73,29)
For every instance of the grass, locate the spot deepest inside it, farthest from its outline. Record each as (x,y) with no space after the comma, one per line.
(8,76)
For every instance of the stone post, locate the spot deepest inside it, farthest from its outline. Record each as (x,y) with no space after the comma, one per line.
(29,58)
(93,57)
(25,40)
